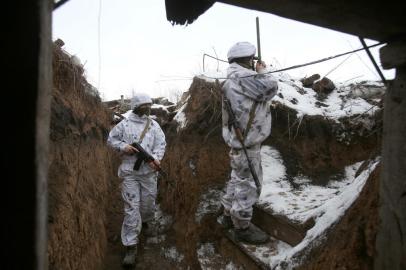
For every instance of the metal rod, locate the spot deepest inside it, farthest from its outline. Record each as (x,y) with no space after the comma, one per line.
(372,59)
(258,40)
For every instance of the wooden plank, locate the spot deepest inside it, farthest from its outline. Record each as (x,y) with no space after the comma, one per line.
(390,241)
(281,227)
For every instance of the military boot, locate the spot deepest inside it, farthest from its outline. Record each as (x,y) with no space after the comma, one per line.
(226,222)
(130,256)
(251,235)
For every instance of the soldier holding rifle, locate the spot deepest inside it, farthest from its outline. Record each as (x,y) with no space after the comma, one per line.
(246,124)
(139,186)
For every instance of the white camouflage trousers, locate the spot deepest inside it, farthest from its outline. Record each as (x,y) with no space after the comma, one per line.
(241,192)
(139,193)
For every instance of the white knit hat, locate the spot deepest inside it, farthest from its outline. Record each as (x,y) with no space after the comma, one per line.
(140,99)
(241,49)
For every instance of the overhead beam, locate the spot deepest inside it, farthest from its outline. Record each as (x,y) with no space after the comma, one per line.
(375,20)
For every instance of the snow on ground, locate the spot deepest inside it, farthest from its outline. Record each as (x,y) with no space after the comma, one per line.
(159,106)
(172,254)
(211,76)
(180,117)
(340,103)
(209,259)
(210,203)
(325,204)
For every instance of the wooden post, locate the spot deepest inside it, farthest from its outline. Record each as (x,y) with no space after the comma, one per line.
(391,238)
(26,84)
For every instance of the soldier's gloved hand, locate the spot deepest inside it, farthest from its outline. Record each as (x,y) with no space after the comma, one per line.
(129,149)
(154,164)
(260,66)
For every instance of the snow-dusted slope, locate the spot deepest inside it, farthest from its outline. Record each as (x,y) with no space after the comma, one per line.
(325,204)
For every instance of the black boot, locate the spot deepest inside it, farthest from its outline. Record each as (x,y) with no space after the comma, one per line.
(130,256)
(226,222)
(251,235)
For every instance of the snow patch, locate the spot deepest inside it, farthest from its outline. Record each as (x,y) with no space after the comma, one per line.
(210,203)
(325,204)
(180,117)
(173,254)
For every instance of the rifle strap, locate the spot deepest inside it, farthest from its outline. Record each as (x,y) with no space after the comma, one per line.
(145,130)
(251,118)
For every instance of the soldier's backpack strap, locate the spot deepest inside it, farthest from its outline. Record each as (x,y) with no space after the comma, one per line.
(145,130)
(250,119)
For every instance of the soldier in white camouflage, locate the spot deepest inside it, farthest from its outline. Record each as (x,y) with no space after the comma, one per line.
(249,92)
(139,187)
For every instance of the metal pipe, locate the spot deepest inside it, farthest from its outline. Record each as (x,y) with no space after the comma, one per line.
(372,59)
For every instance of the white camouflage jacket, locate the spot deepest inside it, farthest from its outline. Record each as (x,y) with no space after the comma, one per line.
(130,130)
(242,93)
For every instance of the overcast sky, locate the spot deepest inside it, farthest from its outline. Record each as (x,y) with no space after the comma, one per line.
(140,51)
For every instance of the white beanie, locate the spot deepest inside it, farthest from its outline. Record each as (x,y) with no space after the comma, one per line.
(140,99)
(241,49)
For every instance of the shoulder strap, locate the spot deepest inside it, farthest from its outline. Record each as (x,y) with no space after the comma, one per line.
(145,130)
(251,118)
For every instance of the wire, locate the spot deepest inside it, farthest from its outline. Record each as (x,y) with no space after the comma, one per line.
(342,62)
(297,66)
(362,61)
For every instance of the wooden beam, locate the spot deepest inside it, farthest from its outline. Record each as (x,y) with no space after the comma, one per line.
(393,55)
(369,19)
(390,242)
(27,83)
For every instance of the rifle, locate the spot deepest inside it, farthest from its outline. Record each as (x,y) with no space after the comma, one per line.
(144,156)
(233,121)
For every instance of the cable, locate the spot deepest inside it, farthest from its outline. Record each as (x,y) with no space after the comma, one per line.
(218,59)
(342,62)
(362,61)
(297,66)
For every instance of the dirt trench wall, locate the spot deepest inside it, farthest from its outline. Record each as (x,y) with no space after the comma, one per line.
(196,160)
(318,147)
(81,170)
(351,245)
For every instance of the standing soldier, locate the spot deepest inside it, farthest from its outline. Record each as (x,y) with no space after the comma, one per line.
(139,187)
(248,93)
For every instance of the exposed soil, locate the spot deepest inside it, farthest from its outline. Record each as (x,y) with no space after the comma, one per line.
(351,244)
(81,170)
(313,146)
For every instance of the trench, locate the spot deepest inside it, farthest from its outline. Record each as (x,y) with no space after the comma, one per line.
(197,165)
(85,211)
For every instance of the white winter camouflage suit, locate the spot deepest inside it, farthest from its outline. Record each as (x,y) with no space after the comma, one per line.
(139,188)
(241,192)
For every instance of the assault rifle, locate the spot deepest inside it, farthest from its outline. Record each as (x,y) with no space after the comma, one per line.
(144,156)
(233,122)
